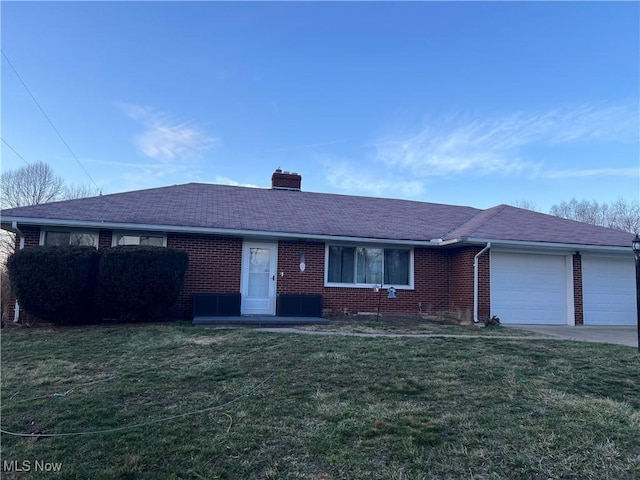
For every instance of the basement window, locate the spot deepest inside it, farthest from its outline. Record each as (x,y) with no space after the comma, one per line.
(60,238)
(368,266)
(155,240)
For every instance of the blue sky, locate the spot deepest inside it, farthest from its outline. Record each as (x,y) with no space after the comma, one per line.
(471,103)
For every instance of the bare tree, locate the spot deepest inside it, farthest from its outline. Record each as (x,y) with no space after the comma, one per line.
(37,183)
(621,215)
(583,211)
(31,185)
(526,204)
(625,216)
(71,192)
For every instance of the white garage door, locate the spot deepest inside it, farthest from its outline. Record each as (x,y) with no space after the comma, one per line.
(608,290)
(528,288)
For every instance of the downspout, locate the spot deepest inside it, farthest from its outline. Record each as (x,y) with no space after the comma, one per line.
(16,310)
(14,226)
(475,281)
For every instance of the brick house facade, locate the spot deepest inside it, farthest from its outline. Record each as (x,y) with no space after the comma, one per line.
(455,257)
(443,279)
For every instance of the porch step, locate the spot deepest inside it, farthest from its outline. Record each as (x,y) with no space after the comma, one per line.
(259,321)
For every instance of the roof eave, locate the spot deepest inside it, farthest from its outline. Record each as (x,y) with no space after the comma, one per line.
(578,247)
(6,224)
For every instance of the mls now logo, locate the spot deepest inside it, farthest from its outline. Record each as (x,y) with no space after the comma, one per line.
(28,466)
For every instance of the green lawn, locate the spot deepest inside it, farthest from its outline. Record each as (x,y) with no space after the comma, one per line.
(330,406)
(410,325)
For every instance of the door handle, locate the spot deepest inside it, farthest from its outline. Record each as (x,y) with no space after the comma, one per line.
(273,278)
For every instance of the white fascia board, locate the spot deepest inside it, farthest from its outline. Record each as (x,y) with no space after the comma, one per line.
(576,247)
(445,243)
(304,236)
(257,234)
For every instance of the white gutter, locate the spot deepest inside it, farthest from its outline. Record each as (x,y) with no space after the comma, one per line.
(444,243)
(216,231)
(475,281)
(548,245)
(307,236)
(16,310)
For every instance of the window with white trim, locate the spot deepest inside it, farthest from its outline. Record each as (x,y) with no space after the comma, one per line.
(156,240)
(369,266)
(69,237)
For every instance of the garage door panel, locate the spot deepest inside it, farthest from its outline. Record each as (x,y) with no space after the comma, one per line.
(519,314)
(529,288)
(608,290)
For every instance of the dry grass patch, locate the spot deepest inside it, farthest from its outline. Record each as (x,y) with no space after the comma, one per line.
(251,404)
(411,325)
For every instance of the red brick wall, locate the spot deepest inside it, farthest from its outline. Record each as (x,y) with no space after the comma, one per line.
(430,274)
(484,286)
(431,290)
(105,238)
(311,281)
(281,179)
(214,265)
(461,280)
(443,279)
(31,237)
(577,289)
(431,285)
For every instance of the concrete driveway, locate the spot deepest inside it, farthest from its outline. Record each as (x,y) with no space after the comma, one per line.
(618,335)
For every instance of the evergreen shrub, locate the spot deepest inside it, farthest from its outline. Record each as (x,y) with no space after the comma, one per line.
(141,283)
(56,284)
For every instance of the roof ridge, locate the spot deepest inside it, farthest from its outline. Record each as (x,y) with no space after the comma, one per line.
(333,194)
(481,217)
(197,207)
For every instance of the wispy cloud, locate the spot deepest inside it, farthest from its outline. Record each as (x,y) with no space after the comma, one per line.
(498,145)
(506,145)
(594,172)
(342,175)
(166,139)
(220,180)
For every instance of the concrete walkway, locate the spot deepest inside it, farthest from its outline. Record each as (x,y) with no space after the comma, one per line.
(600,334)
(616,335)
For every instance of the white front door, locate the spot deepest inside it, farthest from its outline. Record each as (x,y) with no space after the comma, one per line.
(259,278)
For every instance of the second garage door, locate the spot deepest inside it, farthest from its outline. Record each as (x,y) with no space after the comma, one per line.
(608,290)
(529,288)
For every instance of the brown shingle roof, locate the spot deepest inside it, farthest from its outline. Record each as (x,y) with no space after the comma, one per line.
(267,210)
(208,206)
(516,224)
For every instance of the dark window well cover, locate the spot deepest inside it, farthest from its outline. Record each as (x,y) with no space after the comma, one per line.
(291,305)
(216,304)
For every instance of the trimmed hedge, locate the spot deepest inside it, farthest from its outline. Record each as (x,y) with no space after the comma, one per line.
(72,284)
(141,283)
(55,284)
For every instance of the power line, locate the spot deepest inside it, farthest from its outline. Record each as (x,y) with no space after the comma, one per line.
(49,120)
(14,151)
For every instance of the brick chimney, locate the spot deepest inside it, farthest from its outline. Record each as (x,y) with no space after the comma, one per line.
(285,180)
